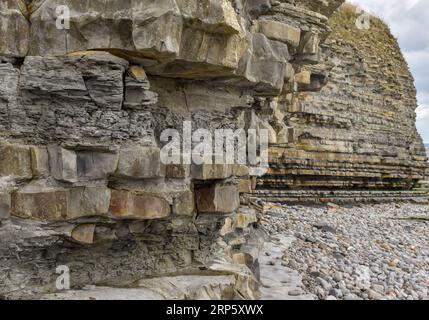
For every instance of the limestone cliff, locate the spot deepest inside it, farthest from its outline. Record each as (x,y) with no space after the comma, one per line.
(357,131)
(83,102)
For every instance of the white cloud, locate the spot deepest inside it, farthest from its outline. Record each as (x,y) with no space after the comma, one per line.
(422,113)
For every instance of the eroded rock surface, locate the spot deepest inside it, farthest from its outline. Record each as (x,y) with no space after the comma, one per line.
(352,124)
(81,115)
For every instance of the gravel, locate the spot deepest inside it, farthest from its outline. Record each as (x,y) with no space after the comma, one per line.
(361,252)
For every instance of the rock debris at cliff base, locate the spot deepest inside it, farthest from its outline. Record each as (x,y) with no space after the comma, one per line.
(354,252)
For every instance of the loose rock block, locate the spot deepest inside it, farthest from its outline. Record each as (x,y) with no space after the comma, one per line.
(127,205)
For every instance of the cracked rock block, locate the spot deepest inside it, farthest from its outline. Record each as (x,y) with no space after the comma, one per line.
(140,163)
(264,64)
(88,201)
(63,164)
(9,77)
(73,166)
(152,28)
(128,205)
(60,204)
(15,161)
(89,75)
(281,32)
(309,48)
(218,198)
(141,29)
(75,99)
(50,205)
(215,16)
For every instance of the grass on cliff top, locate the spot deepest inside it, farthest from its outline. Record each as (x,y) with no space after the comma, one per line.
(378,41)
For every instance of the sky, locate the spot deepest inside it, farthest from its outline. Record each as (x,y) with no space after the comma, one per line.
(409,23)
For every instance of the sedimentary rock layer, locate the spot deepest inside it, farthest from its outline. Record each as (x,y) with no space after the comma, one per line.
(84,102)
(87,87)
(358,130)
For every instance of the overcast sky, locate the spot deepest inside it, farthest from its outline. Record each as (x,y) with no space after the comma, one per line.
(409,22)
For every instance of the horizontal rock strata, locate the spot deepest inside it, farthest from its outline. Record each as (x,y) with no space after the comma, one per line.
(352,123)
(84,102)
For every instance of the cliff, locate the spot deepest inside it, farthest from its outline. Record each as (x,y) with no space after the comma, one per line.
(87,90)
(358,130)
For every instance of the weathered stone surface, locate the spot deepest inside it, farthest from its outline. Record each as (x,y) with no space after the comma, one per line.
(184,204)
(127,205)
(9,79)
(98,96)
(242,220)
(265,64)
(73,166)
(346,131)
(304,77)
(49,205)
(75,99)
(14,29)
(182,287)
(178,171)
(4,205)
(240,170)
(280,32)
(15,160)
(88,201)
(39,161)
(95,165)
(218,199)
(137,93)
(244,185)
(140,163)
(84,233)
(212,171)
(63,164)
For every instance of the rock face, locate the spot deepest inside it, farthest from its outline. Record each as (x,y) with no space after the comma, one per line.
(358,130)
(84,102)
